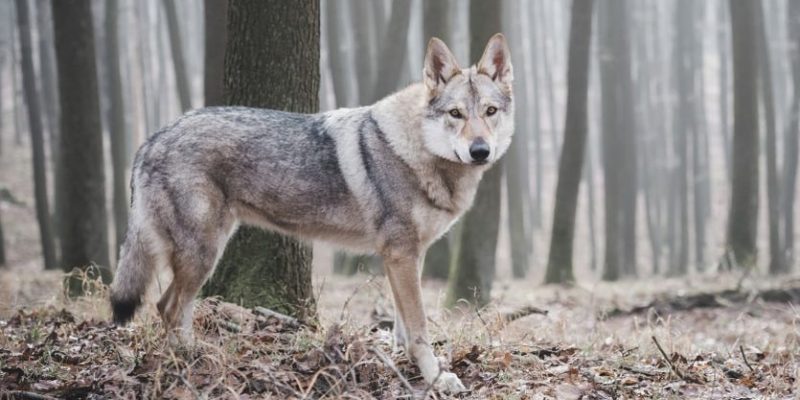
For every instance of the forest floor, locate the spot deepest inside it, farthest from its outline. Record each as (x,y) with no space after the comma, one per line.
(747,349)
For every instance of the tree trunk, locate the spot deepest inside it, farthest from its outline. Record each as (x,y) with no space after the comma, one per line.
(83,224)
(776,262)
(37,136)
(17,102)
(743,215)
(436,23)
(723,39)
(272,61)
(178,61)
(684,68)
(117,132)
(619,148)
(216,17)
(790,144)
(546,62)
(559,265)
(472,276)
(393,50)
(2,244)
(48,73)
(340,58)
(365,46)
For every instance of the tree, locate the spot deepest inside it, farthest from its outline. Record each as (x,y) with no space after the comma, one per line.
(178,62)
(118,132)
(271,61)
(81,180)
(392,50)
(517,180)
(743,212)
(48,73)
(619,146)
(436,23)
(684,68)
(559,265)
(473,268)
(340,58)
(216,12)
(364,35)
(776,262)
(37,136)
(2,244)
(791,135)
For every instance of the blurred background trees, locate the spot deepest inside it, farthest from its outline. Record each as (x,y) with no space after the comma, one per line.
(643,127)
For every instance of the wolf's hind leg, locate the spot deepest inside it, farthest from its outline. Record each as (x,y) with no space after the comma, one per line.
(191,266)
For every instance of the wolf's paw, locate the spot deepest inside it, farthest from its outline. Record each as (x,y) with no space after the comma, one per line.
(449,382)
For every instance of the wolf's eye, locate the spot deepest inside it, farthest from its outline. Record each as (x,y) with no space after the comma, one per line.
(455,113)
(491,111)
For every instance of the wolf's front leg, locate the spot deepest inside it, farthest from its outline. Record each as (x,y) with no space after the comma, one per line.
(405,282)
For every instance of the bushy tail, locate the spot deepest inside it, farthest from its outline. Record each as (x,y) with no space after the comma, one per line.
(134,272)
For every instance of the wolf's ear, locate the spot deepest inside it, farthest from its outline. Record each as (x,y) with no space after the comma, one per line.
(440,65)
(496,60)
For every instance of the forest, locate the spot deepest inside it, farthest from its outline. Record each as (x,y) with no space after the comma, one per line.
(636,240)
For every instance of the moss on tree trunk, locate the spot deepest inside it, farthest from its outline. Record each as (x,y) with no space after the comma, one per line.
(271,61)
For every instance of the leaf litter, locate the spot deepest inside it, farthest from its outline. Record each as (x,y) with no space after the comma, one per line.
(53,352)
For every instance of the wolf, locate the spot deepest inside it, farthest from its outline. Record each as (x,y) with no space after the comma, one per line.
(389,179)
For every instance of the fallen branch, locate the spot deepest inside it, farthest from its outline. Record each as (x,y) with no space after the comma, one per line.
(22,395)
(671,365)
(522,312)
(389,364)
(744,357)
(290,322)
(724,298)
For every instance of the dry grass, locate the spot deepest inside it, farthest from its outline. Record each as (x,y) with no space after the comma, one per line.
(68,349)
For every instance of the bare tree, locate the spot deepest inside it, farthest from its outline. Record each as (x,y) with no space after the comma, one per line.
(339,55)
(178,61)
(37,136)
(518,193)
(436,23)
(48,73)
(279,69)
(117,128)
(472,276)
(776,263)
(790,141)
(743,213)
(81,178)
(392,50)
(619,148)
(559,265)
(216,16)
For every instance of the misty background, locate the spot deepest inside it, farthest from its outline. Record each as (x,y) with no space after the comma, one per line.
(667,101)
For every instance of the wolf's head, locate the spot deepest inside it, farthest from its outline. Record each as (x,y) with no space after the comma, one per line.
(470,112)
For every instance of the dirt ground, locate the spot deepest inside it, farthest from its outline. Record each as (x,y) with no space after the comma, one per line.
(68,349)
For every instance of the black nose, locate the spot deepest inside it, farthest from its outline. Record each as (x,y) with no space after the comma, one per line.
(479,150)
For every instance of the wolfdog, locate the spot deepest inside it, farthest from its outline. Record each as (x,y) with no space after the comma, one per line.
(389,178)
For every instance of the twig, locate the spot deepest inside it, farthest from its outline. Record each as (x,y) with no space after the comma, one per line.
(283,318)
(386,361)
(23,395)
(522,312)
(639,371)
(744,357)
(669,362)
